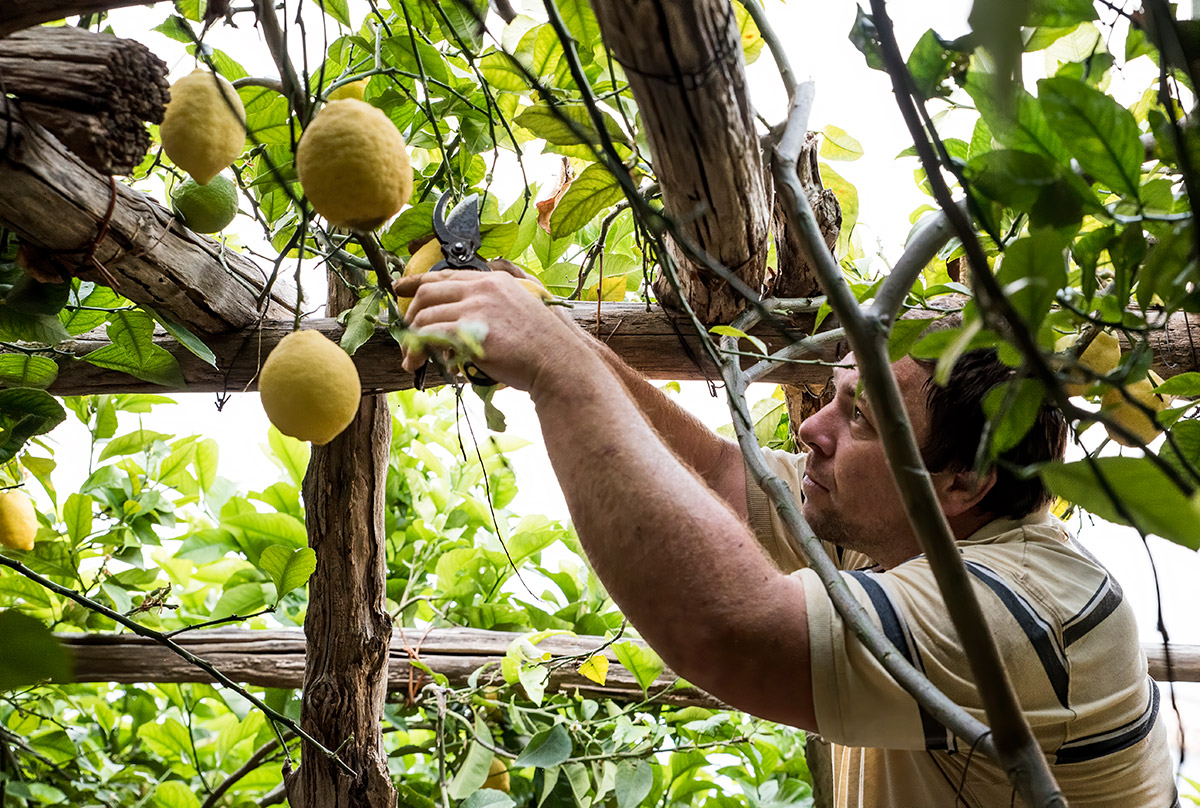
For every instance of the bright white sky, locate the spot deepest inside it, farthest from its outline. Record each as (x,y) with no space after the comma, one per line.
(849,96)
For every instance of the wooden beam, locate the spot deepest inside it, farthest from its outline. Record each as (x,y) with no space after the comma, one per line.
(275,658)
(18,14)
(59,206)
(683,60)
(647,339)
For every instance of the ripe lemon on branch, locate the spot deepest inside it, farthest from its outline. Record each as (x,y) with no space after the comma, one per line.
(309,387)
(353,165)
(18,521)
(204,127)
(1129,415)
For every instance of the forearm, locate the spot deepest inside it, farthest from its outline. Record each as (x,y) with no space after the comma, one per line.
(678,561)
(717,460)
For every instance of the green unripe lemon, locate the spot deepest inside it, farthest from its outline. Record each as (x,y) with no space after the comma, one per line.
(309,387)
(206,208)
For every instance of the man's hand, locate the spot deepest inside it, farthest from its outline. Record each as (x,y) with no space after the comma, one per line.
(524,338)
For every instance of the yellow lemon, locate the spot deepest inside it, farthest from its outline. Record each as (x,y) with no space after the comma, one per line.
(355,89)
(18,521)
(353,165)
(535,288)
(1125,413)
(1101,356)
(420,263)
(498,776)
(204,128)
(309,387)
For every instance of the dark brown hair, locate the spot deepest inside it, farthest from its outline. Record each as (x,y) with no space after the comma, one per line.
(956,426)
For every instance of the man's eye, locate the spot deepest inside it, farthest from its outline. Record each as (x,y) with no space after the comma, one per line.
(858,414)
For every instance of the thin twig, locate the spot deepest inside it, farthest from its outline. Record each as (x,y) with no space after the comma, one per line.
(167,642)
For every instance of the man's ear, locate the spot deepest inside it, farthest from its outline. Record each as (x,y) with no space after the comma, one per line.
(960,491)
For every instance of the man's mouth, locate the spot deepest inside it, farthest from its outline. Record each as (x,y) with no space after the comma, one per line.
(810,480)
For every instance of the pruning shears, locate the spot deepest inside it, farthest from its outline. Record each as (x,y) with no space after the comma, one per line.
(458,233)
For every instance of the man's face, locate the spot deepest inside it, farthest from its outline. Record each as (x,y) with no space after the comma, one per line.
(850,497)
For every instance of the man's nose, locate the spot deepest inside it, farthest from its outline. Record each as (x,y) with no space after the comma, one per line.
(815,430)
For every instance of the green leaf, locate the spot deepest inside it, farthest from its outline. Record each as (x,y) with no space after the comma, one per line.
(338,9)
(1034,269)
(1100,133)
(752,38)
(134,442)
(289,568)
(257,531)
(487,798)
(640,660)
(43,329)
(27,370)
(730,331)
(133,351)
(547,748)
(1145,491)
(184,337)
(77,516)
(1186,435)
(634,780)
(541,120)
(1060,13)
(31,653)
(839,145)
(581,22)
(241,600)
(205,462)
(175,794)
(904,336)
(292,454)
(865,37)
(474,771)
(360,322)
(1185,384)
(500,72)
(1011,413)
(1027,130)
(24,413)
(594,190)
(931,63)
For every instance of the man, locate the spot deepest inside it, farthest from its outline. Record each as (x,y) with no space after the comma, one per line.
(677,533)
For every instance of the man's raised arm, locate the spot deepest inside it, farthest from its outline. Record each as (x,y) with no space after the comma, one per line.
(674,556)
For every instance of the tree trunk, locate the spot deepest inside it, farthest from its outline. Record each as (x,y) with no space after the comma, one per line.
(347,625)
(795,277)
(93,91)
(683,60)
(59,206)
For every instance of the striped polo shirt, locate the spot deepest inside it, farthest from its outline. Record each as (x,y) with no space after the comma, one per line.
(1067,635)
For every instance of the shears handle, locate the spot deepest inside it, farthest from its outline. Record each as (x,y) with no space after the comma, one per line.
(470,370)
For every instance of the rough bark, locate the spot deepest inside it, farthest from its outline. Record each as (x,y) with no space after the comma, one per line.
(93,91)
(276,659)
(18,14)
(795,276)
(644,339)
(683,60)
(58,206)
(819,758)
(347,624)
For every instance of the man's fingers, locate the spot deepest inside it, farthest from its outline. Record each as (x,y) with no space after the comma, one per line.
(407,287)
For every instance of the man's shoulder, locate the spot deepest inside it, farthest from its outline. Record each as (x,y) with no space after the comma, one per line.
(1033,564)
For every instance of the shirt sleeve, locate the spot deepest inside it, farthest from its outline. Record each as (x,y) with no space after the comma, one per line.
(766,524)
(857,702)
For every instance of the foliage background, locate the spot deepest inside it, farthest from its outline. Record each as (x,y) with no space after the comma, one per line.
(154,512)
